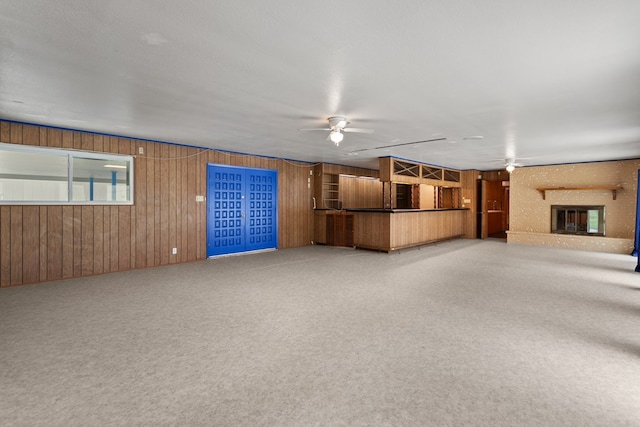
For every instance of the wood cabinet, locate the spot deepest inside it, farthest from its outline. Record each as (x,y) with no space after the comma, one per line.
(340,230)
(333,228)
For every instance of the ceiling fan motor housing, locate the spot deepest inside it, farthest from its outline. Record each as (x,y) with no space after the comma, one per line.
(337,122)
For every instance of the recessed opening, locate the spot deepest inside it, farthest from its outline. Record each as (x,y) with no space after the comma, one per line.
(578,220)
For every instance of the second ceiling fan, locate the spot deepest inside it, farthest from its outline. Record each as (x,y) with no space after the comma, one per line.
(338,125)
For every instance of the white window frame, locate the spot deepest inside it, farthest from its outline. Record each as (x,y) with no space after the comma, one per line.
(70,155)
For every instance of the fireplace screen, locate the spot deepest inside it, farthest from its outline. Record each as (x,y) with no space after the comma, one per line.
(577,220)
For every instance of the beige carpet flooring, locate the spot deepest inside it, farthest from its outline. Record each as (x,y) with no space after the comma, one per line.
(466,332)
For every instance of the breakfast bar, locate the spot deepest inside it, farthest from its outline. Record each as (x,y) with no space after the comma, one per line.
(388,230)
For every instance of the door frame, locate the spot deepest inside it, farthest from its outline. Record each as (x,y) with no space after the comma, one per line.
(244,207)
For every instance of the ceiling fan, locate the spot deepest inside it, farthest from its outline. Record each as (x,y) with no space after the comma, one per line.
(510,164)
(338,125)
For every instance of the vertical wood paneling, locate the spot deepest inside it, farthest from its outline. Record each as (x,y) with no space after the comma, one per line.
(43,237)
(67,242)
(98,143)
(77,240)
(44,137)
(191,215)
(5,132)
(126,220)
(16,133)
(54,138)
(77,140)
(114,144)
(98,239)
(5,245)
(31,135)
(67,139)
(107,239)
(55,250)
(156,204)
(16,245)
(179,203)
(151,214)
(124,145)
(201,219)
(173,195)
(164,205)
(39,243)
(30,244)
(87,227)
(114,237)
(132,236)
(282,202)
(124,238)
(140,186)
(86,141)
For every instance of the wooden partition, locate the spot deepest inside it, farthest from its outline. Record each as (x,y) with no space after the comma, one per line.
(341,187)
(360,192)
(42,243)
(391,230)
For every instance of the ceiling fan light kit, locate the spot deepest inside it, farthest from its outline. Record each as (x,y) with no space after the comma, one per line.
(336,137)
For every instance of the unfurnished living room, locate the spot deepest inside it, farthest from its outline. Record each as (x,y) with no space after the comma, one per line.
(319,213)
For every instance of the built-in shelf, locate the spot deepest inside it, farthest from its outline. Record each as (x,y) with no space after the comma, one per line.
(613,188)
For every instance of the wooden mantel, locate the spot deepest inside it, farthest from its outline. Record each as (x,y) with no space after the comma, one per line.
(613,188)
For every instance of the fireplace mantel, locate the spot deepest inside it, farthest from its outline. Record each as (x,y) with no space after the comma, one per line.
(613,188)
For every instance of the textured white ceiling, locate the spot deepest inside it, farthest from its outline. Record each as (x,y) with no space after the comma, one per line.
(544,81)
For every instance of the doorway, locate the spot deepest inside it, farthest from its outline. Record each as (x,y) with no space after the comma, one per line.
(242,209)
(493,209)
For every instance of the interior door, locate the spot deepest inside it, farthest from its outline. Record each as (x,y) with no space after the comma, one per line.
(261,230)
(241,209)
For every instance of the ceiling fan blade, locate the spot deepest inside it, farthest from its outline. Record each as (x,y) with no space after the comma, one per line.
(358,130)
(324,129)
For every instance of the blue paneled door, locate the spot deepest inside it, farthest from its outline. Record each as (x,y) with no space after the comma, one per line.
(242,212)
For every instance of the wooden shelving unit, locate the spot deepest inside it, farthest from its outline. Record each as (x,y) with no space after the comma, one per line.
(613,188)
(330,191)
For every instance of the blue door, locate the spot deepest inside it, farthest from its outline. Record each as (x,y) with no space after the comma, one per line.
(242,210)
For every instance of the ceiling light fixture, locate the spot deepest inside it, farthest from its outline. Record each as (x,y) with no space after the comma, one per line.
(336,136)
(510,168)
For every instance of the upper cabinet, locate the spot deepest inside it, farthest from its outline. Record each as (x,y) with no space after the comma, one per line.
(404,171)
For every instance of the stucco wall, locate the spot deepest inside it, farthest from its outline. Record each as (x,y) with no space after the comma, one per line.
(530,220)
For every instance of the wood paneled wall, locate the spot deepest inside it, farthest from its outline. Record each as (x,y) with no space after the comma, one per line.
(469,196)
(358,192)
(496,175)
(42,243)
(348,170)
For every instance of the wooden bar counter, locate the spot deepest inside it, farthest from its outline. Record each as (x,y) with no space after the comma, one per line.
(388,230)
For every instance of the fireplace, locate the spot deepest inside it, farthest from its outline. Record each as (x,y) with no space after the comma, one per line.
(588,220)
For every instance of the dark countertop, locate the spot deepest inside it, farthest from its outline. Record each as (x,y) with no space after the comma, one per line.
(403,210)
